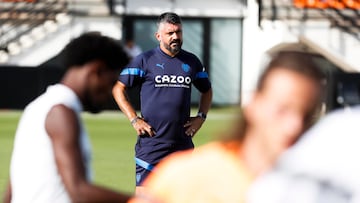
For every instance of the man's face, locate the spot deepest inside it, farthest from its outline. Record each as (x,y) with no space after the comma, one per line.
(278,113)
(170,38)
(99,89)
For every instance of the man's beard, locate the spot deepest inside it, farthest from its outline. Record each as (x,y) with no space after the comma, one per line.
(174,49)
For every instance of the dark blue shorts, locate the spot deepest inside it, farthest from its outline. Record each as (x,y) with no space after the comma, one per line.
(149,153)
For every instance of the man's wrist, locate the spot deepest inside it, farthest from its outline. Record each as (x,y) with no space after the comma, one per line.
(201,115)
(134,120)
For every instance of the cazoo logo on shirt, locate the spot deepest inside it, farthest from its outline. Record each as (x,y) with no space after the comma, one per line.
(172,81)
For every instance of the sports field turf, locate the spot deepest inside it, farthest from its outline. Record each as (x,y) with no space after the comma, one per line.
(113,140)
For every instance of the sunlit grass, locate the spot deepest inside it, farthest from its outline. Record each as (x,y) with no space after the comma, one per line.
(113,141)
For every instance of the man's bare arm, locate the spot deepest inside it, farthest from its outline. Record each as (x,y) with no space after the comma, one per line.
(63,127)
(205,101)
(195,123)
(7,194)
(121,98)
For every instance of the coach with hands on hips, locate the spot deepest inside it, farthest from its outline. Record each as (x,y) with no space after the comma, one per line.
(165,74)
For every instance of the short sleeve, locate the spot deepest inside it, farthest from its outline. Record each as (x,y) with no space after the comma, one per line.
(133,73)
(202,81)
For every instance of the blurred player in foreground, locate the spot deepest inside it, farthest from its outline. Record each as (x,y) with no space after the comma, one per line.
(322,167)
(282,107)
(52,153)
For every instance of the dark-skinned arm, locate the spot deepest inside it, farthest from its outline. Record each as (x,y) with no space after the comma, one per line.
(7,194)
(62,125)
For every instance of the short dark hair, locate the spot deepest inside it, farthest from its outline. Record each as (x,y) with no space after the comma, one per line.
(169,17)
(92,46)
(299,62)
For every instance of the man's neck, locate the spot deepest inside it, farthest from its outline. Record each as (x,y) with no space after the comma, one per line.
(74,82)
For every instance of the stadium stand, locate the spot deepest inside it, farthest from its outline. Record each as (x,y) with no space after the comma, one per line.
(22,23)
(28,28)
(343,14)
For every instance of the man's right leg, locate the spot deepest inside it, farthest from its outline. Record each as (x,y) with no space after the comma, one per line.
(147,155)
(143,169)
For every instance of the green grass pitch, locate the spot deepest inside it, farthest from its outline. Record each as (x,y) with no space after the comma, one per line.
(113,141)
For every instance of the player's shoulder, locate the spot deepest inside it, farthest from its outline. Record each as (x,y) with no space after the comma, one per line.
(150,53)
(142,58)
(146,54)
(188,54)
(339,120)
(189,58)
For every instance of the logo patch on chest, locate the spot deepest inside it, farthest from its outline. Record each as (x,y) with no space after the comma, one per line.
(185,67)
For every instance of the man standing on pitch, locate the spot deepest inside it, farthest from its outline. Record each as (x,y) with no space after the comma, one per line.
(165,74)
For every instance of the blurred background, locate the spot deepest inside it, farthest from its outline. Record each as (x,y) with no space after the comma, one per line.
(232,38)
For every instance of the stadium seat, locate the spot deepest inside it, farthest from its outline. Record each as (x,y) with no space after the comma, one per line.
(318,4)
(353,4)
(323,4)
(336,4)
(300,3)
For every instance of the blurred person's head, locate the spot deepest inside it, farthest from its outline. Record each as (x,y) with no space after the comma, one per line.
(93,63)
(284,104)
(169,33)
(286,99)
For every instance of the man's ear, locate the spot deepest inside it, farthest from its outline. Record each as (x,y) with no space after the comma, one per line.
(157,36)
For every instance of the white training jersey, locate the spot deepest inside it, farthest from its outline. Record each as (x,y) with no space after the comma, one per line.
(322,167)
(33,172)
